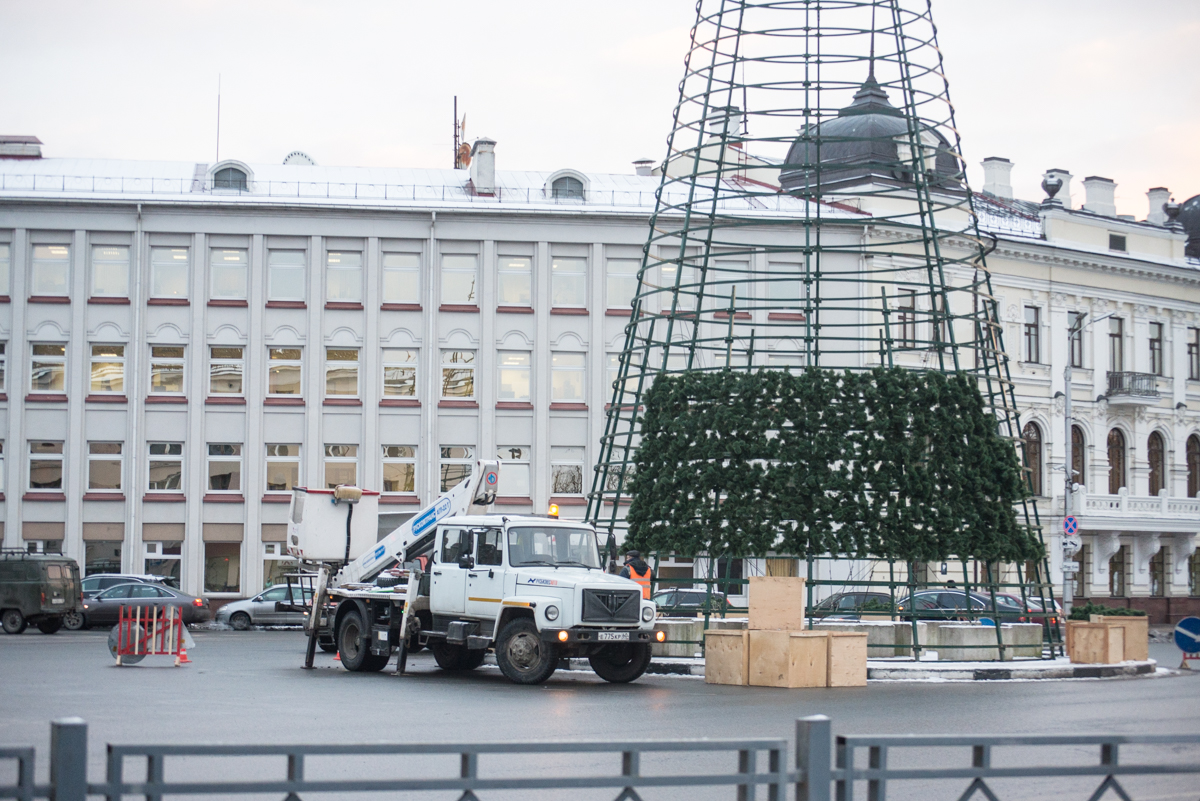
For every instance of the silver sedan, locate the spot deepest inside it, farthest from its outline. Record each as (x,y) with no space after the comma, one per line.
(260,610)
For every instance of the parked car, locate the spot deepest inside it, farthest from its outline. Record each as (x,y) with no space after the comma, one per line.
(687,602)
(943,605)
(38,589)
(97,582)
(261,610)
(851,605)
(104,608)
(1031,611)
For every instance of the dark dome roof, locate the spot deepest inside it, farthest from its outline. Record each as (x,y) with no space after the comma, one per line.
(1189,215)
(867,140)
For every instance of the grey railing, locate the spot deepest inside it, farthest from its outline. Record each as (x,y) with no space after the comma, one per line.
(824,768)
(1141,385)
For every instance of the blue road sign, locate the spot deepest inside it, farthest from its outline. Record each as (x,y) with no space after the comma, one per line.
(1187,635)
(1070,524)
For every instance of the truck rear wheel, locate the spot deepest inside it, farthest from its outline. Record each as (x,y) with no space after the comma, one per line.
(50,625)
(354,648)
(621,663)
(12,621)
(74,620)
(522,654)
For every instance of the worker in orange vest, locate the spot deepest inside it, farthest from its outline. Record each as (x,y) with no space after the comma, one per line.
(637,569)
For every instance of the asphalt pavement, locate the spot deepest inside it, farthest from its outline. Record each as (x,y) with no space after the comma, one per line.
(250,687)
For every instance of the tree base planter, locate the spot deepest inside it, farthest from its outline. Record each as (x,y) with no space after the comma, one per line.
(1097,644)
(1137,634)
(727,656)
(777,603)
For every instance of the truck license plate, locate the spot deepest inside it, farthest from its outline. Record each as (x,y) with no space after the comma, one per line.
(613,635)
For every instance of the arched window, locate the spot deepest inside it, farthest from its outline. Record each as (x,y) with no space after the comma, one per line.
(1155,453)
(230,178)
(1078,452)
(1193,465)
(1033,456)
(567,187)
(1116,461)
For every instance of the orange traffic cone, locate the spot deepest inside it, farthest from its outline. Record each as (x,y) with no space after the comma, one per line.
(183,657)
(337,656)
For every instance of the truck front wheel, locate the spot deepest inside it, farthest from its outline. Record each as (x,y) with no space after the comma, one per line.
(354,649)
(522,654)
(621,663)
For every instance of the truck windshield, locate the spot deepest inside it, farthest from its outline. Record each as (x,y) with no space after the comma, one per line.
(552,545)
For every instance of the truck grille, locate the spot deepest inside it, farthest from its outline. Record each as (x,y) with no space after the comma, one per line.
(611,606)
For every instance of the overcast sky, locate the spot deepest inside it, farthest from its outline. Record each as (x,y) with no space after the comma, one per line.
(1097,87)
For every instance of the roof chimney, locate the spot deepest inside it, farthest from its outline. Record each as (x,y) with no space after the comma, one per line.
(1063,195)
(1159,196)
(483,166)
(997,177)
(1100,194)
(20,147)
(643,167)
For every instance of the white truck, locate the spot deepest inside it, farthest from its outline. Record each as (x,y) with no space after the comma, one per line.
(462,582)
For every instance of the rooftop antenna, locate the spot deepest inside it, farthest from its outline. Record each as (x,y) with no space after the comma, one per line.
(218,116)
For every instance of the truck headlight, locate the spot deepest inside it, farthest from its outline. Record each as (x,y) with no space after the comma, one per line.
(647,614)
(551,612)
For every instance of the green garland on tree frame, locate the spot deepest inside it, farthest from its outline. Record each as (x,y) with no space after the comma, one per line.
(890,463)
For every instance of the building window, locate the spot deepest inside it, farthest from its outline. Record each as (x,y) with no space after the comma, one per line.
(515,285)
(227,271)
(3,366)
(568,283)
(455,465)
(1116,574)
(401,278)
(165,559)
(104,466)
(168,272)
(515,470)
(458,280)
(1194,574)
(285,275)
(1078,446)
(110,271)
(341,372)
(2,471)
(1116,242)
(1156,348)
(514,376)
(567,188)
(1158,574)
(51,274)
(1193,354)
(283,467)
(166,369)
(1193,466)
(343,277)
(783,289)
(399,468)
(566,471)
(1084,559)
(458,374)
(399,373)
(166,467)
(1116,461)
(1156,455)
(276,565)
(283,371)
(101,557)
(45,466)
(222,567)
(230,178)
(341,465)
(566,377)
(1033,350)
(225,367)
(1116,345)
(224,467)
(683,295)
(622,282)
(1032,436)
(906,318)
(5,267)
(1075,334)
(108,369)
(48,368)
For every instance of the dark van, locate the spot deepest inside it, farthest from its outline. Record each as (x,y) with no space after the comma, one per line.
(37,589)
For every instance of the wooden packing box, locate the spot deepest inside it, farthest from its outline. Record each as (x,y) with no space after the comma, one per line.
(1137,633)
(847,659)
(776,603)
(789,658)
(1097,644)
(727,656)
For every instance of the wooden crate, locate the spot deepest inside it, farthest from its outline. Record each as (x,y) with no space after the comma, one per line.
(726,656)
(776,603)
(1097,644)
(788,658)
(1137,633)
(847,659)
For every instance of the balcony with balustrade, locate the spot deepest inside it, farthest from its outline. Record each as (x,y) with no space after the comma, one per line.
(1132,513)
(1133,389)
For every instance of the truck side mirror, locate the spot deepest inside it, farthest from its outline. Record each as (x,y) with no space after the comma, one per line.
(466,561)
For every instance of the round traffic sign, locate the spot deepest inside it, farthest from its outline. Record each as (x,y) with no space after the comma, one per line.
(1187,635)
(1071,524)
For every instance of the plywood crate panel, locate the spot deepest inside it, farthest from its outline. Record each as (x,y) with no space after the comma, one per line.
(726,656)
(1137,633)
(1097,644)
(776,603)
(788,658)
(847,659)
